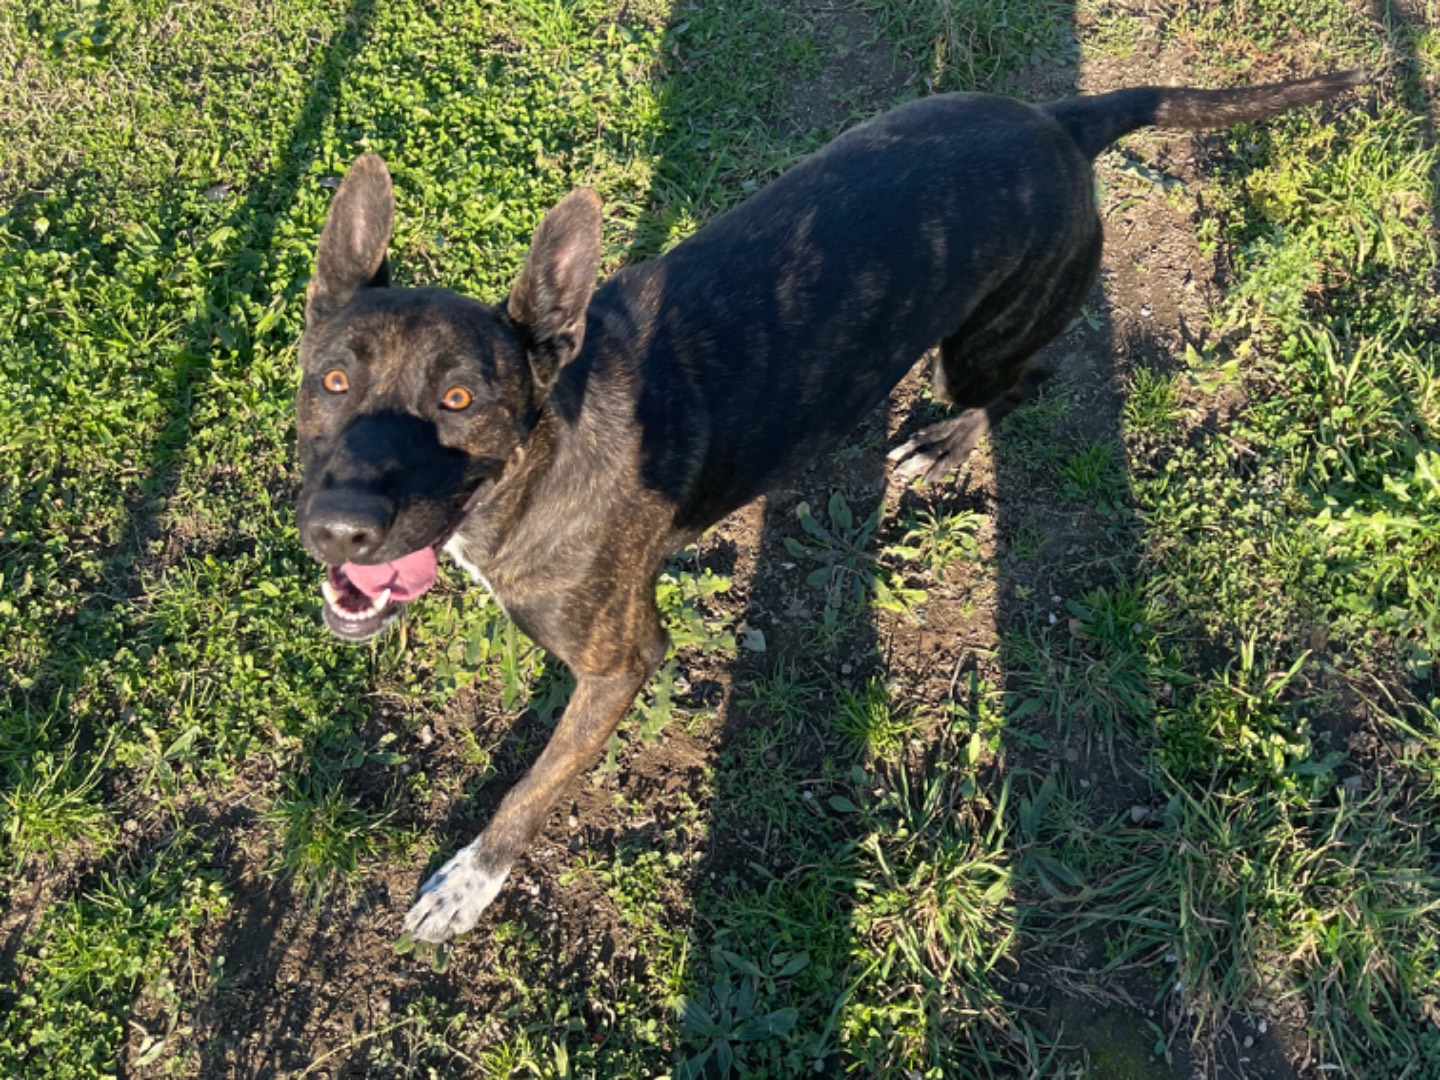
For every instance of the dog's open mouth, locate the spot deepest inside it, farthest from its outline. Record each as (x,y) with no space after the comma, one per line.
(361,600)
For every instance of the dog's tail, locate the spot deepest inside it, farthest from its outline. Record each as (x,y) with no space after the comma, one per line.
(1096,122)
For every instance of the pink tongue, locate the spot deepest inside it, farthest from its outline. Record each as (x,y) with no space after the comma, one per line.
(406,578)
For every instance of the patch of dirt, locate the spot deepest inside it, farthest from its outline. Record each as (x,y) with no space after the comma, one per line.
(859,74)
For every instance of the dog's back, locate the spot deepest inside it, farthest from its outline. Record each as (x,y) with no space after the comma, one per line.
(761,341)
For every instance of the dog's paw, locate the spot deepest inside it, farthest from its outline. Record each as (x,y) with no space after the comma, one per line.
(454,898)
(940,448)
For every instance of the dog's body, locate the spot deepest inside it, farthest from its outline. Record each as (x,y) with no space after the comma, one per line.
(561,445)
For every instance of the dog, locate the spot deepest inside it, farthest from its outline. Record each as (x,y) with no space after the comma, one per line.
(560,444)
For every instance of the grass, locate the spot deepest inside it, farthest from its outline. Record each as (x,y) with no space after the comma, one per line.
(868,722)
(890,809)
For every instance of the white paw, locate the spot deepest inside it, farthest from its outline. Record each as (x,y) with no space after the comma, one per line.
(452,901)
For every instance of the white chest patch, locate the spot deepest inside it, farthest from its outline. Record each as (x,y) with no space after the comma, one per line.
(453,549)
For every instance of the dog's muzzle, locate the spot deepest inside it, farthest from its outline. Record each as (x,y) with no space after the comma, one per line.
(361,599)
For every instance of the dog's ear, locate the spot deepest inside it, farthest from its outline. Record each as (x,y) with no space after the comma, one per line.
(353,243)
(550,296)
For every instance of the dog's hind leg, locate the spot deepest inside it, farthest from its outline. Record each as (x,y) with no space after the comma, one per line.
(942,447)
(987,367)
(452,900)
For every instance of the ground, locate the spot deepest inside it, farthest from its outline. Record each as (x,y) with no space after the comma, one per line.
(1113,755)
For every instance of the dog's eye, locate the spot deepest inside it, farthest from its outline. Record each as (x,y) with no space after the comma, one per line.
(456,398)
(335,380)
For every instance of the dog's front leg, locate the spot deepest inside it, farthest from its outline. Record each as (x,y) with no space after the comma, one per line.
(455,896)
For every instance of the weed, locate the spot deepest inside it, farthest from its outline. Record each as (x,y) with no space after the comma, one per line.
(49,805)
(1026,542)
(92,954)
(934,919)
(1093,473)
(968,45)
(936,540)
(685,599)
(1031,428)
(725,1019)
(423,1040)
(1151,405)
(783,694)
(868,722)
(325,837)
(847,569)
(1099,671)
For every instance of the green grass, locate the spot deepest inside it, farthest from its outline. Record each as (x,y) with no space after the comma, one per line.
(1175,743)
(936,539)
(325,837)
(868,722)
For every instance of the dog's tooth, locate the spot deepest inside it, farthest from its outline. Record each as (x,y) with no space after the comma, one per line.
(331,594)
(377,605)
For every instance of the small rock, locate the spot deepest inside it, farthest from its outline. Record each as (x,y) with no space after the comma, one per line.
(1249,1041)
(1262,1027)
(1139,814)
(1084,783)
(426,735)
(847,668)
(574,821)
(1146,311)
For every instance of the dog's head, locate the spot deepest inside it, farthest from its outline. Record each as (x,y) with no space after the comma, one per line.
(413,402)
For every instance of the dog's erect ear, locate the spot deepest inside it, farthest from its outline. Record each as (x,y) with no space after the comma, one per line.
(551,294)
(353,243)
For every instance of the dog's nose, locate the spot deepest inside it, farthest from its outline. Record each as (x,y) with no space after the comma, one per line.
(348,530)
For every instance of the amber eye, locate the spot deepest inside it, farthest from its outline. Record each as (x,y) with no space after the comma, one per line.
(335,380)
(456,398)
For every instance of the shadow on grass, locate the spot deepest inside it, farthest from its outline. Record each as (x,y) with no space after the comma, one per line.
(782,881)
(250,230)
(99,625)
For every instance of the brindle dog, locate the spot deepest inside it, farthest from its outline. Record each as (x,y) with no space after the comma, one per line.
(560,444)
